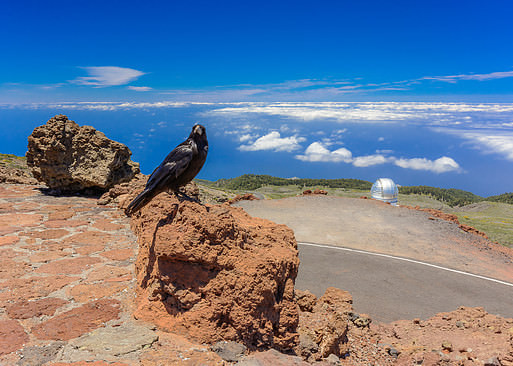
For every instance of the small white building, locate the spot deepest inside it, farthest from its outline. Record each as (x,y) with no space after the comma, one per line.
(384,189)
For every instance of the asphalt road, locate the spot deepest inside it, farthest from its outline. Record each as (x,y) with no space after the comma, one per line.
(386,288)
(391,289)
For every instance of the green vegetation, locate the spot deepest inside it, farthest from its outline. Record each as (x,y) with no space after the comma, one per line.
(492,215)
(252,182)
(505,198)
(493,218)
(452,197)
(13,161)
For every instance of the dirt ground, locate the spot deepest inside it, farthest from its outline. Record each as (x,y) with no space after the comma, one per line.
(377,227)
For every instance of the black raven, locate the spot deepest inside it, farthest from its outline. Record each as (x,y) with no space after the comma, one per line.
(178,168)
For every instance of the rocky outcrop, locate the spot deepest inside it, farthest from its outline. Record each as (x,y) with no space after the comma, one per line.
(72,158)
(324,324)
(243,197)
(317,191)
(215,273)
(451,218)
(14,169)
(121,192)
(17,176)
(467,336)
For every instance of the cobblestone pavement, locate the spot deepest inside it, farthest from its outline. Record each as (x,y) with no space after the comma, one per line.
(66,285)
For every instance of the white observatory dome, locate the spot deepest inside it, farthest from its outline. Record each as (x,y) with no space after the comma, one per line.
(384,189)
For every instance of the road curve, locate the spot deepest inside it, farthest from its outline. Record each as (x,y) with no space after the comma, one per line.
(386,288)
(390,289)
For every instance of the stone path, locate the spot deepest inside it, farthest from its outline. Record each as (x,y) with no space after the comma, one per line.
(66,286)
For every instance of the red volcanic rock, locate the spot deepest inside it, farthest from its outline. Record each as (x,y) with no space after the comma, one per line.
(215,273)
(449,338)
(78,321)
(323,329)
(12,336)
(89,363)
(47,234)
(243,197)
(15,289)
(317,191)
(450,217)
(121,192)
(24,220)
(29,309)
(8,240)
(68,266)
(470,229)
(320,191)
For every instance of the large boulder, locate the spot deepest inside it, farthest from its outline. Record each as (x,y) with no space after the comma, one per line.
(72,158)
(215,273)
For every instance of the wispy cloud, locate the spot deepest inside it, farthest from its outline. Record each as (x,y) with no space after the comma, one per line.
(139,88)
(274,142)
(478,77)
(490,141)
(103,76)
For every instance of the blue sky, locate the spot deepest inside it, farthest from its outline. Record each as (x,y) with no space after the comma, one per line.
(417,90)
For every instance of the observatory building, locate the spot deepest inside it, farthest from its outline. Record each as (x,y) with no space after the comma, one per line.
(384,189)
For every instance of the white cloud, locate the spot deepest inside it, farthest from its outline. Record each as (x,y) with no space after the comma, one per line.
(317,152)
(273,141)
(427,114)
(139,88)
(478,77)
(370,160)
(246,137)
(102,76)
(492,141)
(441,165)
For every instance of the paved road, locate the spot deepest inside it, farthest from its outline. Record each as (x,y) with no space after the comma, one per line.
(391,289)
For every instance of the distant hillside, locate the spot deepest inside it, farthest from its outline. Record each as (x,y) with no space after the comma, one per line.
(13,161)
(252,182)
(504,198)
(452,197)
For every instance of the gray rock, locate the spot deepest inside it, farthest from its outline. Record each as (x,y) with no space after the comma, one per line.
(271,358)
(72,158)
(116,341)
(333,359)
(493,361)
(39,355)
(307,344)
(229,351)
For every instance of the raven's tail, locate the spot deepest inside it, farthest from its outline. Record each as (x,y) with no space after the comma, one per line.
(142,199)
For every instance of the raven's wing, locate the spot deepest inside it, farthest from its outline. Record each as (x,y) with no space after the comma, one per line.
(172,167)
